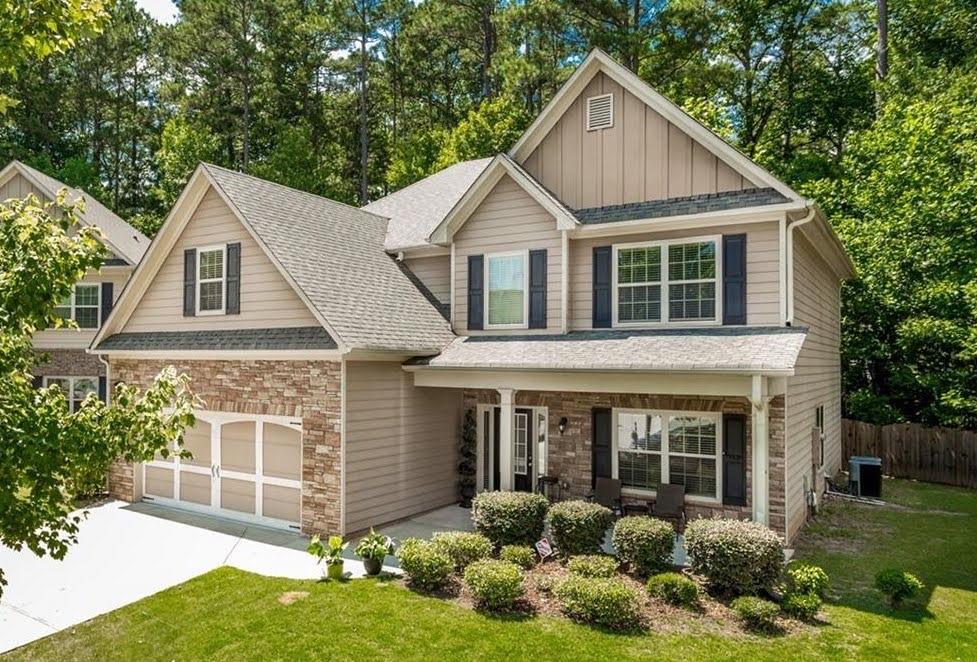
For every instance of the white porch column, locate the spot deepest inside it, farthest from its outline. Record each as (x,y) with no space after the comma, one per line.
(761,450)
(507,410)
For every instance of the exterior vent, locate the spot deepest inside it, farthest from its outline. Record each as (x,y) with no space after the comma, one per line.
(600,112)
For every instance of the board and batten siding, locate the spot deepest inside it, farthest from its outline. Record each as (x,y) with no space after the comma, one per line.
(434,272)
(19,187)
(817,376)
(267,300)
(400,443)
(762,269)
(642,157)
(509,219)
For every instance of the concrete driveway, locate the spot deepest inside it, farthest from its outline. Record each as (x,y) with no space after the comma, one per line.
(128,552)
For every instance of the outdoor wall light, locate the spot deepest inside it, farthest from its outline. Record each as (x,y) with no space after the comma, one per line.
(563,425)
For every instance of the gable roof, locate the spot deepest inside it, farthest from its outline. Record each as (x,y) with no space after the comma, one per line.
(124,240)
(599,61)
(330,253)
(414,211)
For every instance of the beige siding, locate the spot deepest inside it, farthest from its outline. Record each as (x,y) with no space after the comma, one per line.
(400,444)
(642,157)
(817,379)
(508,219)
(762,269)
(267,300)
(435,273)
(82,338)
(18,187)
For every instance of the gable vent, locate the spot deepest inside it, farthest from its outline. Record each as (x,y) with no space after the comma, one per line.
(600,112)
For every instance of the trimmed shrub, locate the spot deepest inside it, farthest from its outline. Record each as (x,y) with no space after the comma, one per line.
(756,613)
(804,606)
(645,543)
(806,579)
(462,547)
(735,557)
(495,585)
(578,527)
(898,585)
(593,565)
(522,555)
(608,603)
(510,518)
(426,567)
(674,588)
(546,583)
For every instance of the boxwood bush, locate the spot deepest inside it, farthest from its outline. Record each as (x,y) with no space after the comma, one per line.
(674,588)
(462,547)
(510,518)
(522,555)
(495,585)
(897,585)
(804,579)
(804,606)
(645,543)
(735,557)
(593,565)
(426,567)
(756,613)
(578,527)
(608,603)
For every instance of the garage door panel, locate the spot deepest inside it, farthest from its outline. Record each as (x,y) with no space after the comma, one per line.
(159,482)
(197,441)
(237,495)
(238,446)
(195,488)
(281,451)
(281,502)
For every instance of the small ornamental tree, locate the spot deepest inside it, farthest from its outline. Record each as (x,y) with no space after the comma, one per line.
(468,462)
(50,455)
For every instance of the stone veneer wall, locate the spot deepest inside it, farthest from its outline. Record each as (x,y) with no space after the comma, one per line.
(569,454)
(69,363)
(310,390)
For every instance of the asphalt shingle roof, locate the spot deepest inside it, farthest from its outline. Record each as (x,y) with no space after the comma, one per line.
(690,204)
(128,241)
(416,210)
(335,254)
(301,337)
(727,349)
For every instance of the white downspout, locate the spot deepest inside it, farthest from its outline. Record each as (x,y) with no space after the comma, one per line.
(790,260)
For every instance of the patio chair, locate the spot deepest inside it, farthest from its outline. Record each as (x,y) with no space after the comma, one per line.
(607,493)
(670,505)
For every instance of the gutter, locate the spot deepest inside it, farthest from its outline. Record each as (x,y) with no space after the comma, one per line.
(811,211)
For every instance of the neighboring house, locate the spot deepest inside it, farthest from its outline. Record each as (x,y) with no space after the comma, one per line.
(621,294)
(68,364)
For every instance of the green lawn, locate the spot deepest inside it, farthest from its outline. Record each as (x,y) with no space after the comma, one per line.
(231,615)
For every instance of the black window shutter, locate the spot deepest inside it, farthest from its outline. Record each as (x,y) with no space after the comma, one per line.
(107,301)
(476,292)
(734,279)
(537,289)
(233,279)
(601,460)
(38,381)
(734,459)
(103,388)
(190,282)
(602,287)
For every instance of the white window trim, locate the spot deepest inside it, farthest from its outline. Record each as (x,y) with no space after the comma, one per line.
(820,413)
(595,97)
(223,279)
(71,386)
(525,290)
(665,454)
(484,433)
(665,282)
(98,307)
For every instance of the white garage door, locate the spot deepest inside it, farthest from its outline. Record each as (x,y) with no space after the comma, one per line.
(246,467)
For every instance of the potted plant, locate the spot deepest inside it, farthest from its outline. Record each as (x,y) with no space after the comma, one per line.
(331,552)
(467,467)
(373,549)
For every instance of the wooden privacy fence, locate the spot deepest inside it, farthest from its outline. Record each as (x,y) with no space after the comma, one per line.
(909,450)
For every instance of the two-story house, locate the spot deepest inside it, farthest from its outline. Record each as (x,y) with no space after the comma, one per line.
(622,294)
(68,364)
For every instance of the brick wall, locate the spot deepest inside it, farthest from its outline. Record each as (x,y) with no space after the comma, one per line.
(309,390)
(69,363)
(569,454)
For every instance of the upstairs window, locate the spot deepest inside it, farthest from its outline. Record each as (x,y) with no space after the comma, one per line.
(82,305)
(211,277)
(507,302)
(692,281)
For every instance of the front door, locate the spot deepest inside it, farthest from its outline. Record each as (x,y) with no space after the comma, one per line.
(522,449)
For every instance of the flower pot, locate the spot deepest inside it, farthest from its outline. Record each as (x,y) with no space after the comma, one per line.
(372,566)
(467,492)
(334,570)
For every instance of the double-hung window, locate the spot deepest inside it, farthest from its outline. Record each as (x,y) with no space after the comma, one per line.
(666,281)
(82,305)
(819,424)
(75,389)
(656,447)
(211,279)
(507,303)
